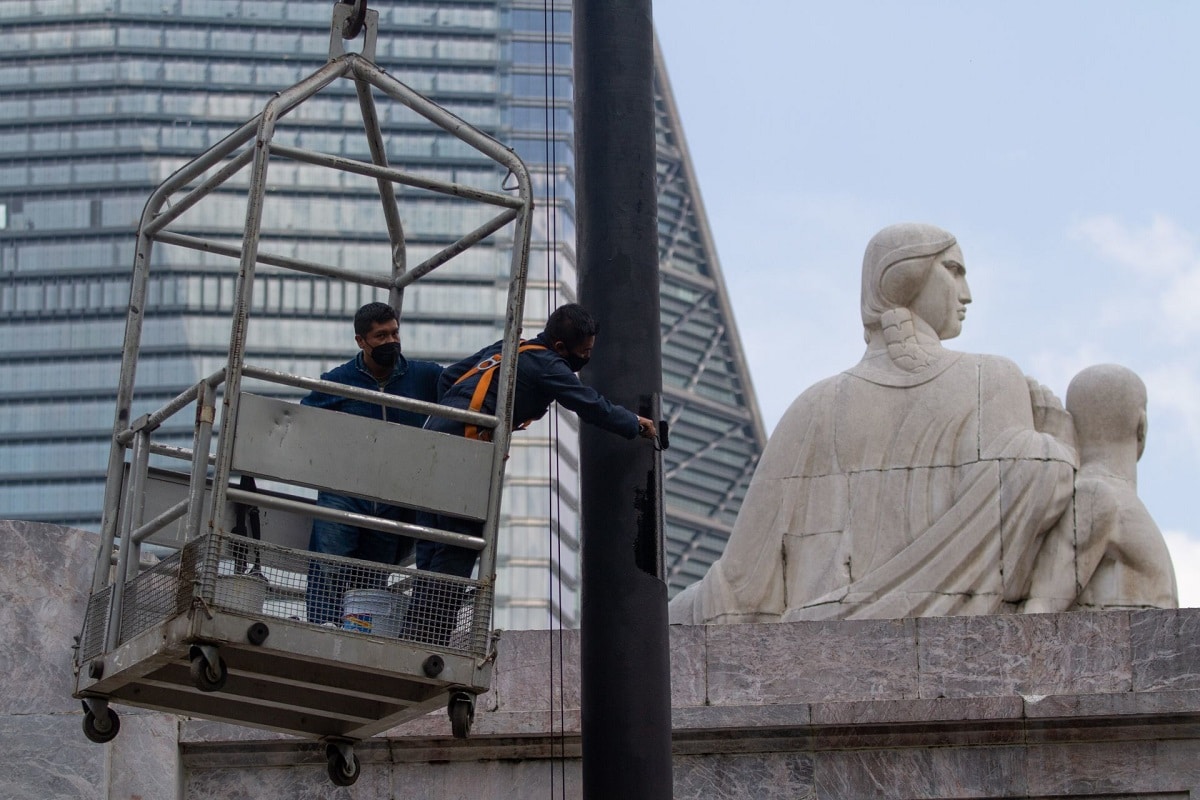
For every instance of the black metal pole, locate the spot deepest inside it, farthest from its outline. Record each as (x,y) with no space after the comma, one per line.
(625,662)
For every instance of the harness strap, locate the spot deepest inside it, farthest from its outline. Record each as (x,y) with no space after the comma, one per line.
(486,370)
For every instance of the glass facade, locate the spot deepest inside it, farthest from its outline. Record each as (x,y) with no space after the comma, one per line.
(101,100)
(717,433)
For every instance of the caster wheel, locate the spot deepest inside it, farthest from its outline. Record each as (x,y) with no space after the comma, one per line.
(341,771)
(205,677)
(462,713)
(101,731)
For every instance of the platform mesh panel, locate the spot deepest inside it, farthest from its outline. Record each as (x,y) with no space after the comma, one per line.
(359,597)
(261,580)
(153,597)
(95,622)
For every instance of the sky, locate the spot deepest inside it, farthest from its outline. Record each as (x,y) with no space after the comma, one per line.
(1059,142)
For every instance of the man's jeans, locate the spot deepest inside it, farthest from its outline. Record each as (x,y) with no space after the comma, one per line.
(327,582)
(433,612)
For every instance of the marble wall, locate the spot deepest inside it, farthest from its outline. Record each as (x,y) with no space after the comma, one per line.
(45,576)
(1081,705)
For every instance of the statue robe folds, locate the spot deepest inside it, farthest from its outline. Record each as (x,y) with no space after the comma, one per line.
(888,494)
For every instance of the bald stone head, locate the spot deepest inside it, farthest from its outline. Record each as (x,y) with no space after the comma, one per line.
(1107,403)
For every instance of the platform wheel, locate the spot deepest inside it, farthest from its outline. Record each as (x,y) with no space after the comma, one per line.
(462,713)
(343,767)
(208,676)
(100,730)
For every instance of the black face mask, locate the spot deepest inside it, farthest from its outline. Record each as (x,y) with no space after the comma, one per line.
(386,355)
(575,362)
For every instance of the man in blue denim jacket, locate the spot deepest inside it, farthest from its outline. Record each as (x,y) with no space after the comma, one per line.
(379,366)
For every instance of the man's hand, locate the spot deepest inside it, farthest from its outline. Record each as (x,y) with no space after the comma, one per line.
(646,428)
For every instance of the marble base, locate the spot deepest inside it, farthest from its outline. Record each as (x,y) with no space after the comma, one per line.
(1081,705)
(1096,705)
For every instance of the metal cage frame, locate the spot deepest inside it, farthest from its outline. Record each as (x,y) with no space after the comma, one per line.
(177,635)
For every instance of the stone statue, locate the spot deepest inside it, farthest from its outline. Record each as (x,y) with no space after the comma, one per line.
(919,482)
(1116,557)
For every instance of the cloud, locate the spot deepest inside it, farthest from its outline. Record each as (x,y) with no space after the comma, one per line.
(1174,387)
(1160,248)
(1157,341)
(1181,301)
(1185,553)
(1161,252)
(1056,368)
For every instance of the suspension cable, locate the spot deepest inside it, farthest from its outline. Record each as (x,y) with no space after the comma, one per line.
(553,541)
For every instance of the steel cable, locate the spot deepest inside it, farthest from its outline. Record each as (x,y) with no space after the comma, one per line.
(554,543)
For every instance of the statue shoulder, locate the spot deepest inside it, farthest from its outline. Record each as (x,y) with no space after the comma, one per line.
(819,394)
(999,371)
(808,419)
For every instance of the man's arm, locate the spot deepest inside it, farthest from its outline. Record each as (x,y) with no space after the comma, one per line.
(318,399)
(592,407)
(428,382)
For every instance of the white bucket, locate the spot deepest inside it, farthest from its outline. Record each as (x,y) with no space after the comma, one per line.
(241,592)
(376,611)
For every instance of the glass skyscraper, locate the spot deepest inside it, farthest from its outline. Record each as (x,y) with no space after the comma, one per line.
(100,100)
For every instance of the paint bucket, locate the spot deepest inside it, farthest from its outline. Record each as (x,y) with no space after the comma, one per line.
(241,592)
(374,611)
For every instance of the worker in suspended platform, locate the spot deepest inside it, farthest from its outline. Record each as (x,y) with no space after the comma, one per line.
(546,372)
(379,365)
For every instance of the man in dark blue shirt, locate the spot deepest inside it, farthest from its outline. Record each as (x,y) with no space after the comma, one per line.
(546,368)
(380,366)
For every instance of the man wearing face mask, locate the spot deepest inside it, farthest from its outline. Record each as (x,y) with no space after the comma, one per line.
(379,366)
(546,368)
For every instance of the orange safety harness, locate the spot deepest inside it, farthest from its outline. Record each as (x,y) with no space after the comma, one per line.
(486,370)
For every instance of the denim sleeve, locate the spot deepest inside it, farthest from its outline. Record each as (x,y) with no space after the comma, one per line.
(318,399)
(432,381)
(592,407)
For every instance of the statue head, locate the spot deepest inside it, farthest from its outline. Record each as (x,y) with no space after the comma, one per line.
(1107,403)
(898,273)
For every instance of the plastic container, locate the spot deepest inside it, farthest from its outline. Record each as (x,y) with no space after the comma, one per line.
(376,611)
(241,592)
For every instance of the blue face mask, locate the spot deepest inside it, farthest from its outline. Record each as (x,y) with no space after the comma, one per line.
(386,355)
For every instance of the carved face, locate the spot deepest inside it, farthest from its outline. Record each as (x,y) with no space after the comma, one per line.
(942,302)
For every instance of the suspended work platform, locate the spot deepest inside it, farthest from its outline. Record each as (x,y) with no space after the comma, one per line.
(190,614)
